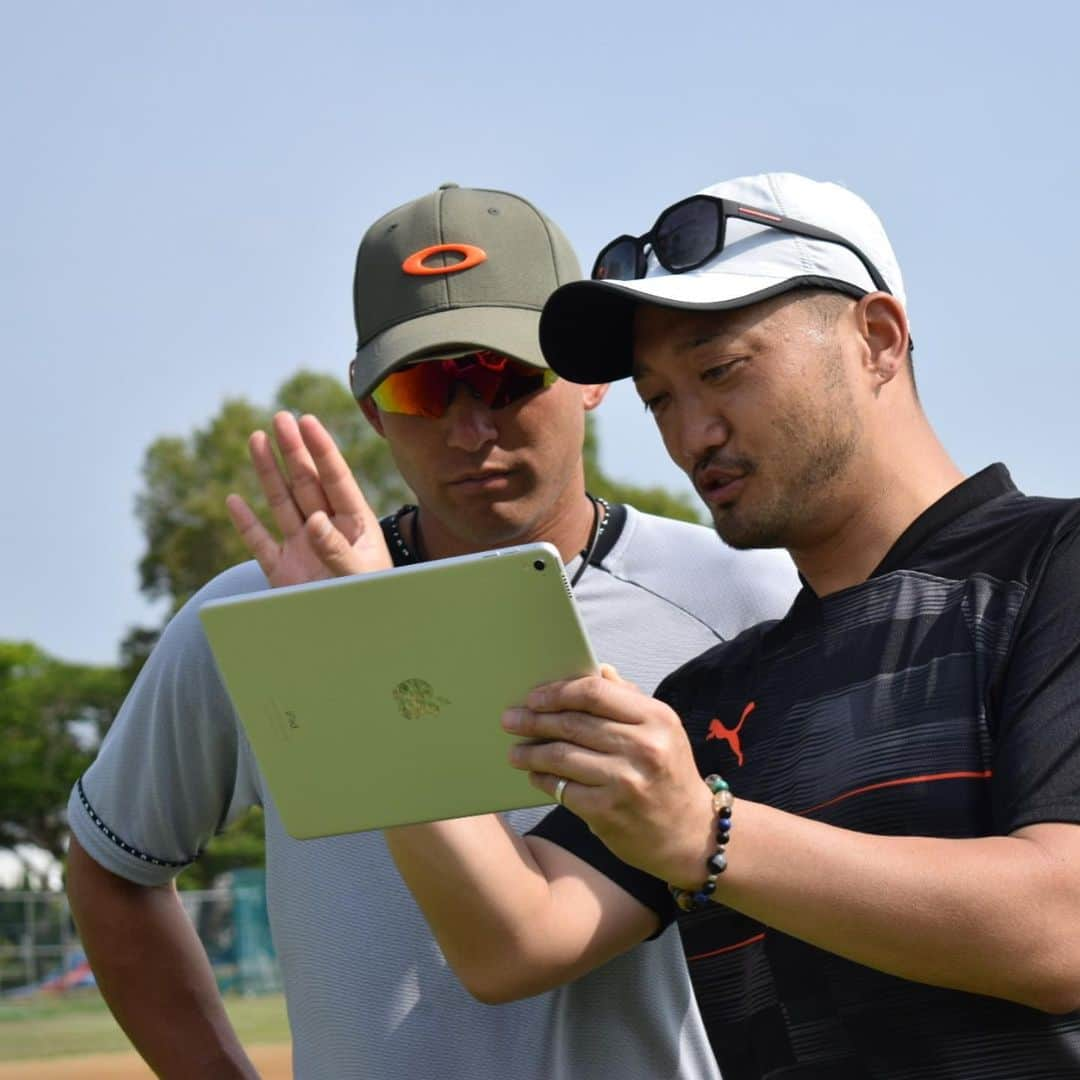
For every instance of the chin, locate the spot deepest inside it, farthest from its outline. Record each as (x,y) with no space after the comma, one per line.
(748,535)
(500,525)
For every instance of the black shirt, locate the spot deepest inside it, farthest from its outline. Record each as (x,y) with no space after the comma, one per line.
(941,697)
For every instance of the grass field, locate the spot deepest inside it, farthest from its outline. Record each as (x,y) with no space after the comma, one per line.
(81,1024)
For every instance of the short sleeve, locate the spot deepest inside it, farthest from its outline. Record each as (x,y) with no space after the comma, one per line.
(174,768)
(1037,748)
(571,833)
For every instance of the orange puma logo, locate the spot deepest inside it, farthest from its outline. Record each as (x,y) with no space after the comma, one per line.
(731,735)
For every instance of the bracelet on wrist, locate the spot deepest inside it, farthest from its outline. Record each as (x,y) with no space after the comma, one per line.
(716,864)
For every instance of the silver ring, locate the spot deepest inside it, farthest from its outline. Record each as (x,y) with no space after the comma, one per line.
(560,787)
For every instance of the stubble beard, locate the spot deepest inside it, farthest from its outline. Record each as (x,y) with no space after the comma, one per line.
(814,449)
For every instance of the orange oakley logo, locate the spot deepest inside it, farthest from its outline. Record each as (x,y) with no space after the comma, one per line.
(471,256)
(731,735)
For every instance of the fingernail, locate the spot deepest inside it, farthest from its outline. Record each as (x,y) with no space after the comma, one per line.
(511,720)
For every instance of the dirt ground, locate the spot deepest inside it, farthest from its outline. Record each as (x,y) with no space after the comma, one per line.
(274,1062)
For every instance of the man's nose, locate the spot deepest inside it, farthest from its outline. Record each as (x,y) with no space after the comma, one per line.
(696,430)
(470,423)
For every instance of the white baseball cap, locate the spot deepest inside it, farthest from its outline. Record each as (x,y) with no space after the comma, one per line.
(586,326)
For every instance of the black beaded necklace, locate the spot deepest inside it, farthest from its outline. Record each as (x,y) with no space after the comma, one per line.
(601,513)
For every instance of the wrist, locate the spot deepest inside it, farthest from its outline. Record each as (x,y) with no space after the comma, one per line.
(697,886)
(694,842)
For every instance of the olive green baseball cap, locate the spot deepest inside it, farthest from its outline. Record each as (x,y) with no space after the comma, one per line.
(457,270)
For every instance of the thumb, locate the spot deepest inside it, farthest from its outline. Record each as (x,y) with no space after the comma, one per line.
(608,672)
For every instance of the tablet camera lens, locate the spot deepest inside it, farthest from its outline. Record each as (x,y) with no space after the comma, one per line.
(539,564)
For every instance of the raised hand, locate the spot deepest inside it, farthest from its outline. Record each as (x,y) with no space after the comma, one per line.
(327,528)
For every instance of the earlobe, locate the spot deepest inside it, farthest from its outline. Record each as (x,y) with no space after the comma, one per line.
(372,415)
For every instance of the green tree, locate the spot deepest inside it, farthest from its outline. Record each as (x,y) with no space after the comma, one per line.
(52,717)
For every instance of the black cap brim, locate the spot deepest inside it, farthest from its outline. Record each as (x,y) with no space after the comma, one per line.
(586,331)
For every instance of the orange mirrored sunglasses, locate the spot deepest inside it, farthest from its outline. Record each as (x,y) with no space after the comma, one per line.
(427,387)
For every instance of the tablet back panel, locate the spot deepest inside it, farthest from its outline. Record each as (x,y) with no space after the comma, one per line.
(375,700)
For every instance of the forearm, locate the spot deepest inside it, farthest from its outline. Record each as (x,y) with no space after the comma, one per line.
(514,916)
(995,915)
(153,972)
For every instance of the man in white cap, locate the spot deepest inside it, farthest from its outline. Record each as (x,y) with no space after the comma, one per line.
(448,293)
(896,762)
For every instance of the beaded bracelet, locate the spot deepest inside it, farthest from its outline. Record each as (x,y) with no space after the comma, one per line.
(722,801)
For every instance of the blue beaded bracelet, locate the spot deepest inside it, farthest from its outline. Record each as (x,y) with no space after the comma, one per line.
(716,864)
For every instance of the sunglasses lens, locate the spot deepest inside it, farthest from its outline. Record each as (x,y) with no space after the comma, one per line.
(425,389)
(498,380)
(687,235)
(515,382)
(618,261)
(420,390)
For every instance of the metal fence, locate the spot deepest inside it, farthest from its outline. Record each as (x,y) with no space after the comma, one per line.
(36,938)
(40,948)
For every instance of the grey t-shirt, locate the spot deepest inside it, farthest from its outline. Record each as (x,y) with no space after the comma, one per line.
(369,993)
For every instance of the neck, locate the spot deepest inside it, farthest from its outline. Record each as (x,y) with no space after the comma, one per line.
(871,513)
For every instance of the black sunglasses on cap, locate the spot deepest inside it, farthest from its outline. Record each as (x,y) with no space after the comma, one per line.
(690,232)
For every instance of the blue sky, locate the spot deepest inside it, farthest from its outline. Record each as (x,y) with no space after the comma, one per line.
(184,190)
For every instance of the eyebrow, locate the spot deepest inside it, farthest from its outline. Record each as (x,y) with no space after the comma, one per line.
(706,339)
(639,370)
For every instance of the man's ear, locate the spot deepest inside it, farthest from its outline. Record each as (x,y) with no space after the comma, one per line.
(882,321)
(593,393)
(372,414)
